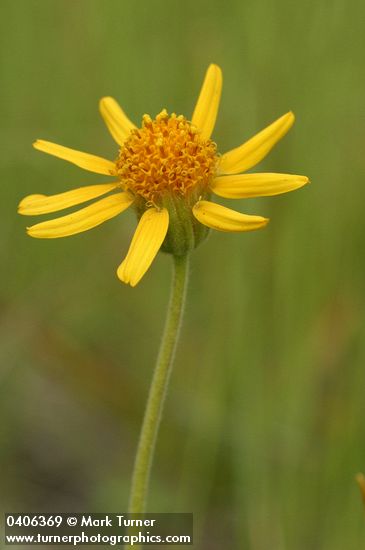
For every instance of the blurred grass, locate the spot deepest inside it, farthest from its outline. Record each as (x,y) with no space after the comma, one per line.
(263,432)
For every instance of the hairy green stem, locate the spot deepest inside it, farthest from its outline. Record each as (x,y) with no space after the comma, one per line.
(158,389)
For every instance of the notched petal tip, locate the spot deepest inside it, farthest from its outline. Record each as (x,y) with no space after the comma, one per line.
(26,202)
(124,277)
(33,232)
(30,233)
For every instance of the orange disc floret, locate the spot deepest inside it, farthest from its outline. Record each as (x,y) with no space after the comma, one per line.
(166,156)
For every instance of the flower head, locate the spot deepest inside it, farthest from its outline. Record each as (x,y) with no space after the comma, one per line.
(167,171)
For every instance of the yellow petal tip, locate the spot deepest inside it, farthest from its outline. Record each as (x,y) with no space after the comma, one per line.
(29,232)
(21,208)
(120,273)
(125,278)
(28,200)
(290,116)
(32,232)
(302,181)
(262,222)
(215,67)
(104,99)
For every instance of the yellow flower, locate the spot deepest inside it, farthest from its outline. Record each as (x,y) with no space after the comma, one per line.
(167,169)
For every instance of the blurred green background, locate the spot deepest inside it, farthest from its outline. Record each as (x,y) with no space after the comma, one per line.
(264,429)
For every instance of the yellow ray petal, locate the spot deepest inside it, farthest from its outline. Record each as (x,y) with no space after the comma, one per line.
(206,109)
(255,149)
(243,186)
(224,219)
(147,240)
(83,219)
(116,120)
(83,160)
(33,205)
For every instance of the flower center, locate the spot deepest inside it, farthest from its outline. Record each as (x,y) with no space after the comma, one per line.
(166,156)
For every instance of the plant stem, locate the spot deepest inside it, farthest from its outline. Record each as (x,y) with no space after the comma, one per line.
(158,389)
